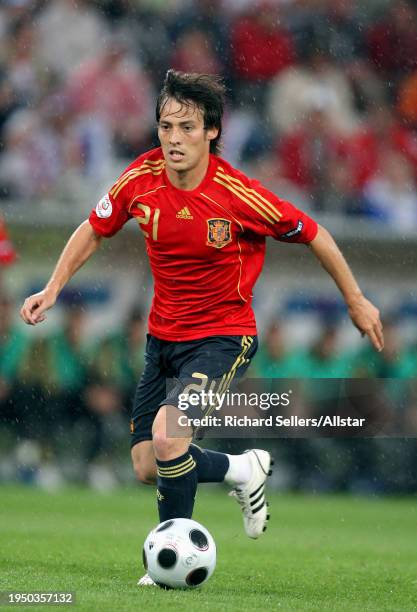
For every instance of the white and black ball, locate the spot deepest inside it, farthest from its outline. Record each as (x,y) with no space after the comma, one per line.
(179,554)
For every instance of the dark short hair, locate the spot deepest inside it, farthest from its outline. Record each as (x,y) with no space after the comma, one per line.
(206,91)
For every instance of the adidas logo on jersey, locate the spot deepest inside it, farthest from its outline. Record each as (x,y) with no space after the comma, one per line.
(184,213)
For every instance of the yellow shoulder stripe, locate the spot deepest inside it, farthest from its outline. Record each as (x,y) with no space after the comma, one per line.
(119,186)
(256,197)
(154,163)
(245,199)
(145,168)
(146,164)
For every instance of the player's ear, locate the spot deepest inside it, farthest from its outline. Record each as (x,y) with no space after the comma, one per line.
(212,133)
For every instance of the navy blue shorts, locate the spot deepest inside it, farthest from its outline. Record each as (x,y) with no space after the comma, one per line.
(165,361)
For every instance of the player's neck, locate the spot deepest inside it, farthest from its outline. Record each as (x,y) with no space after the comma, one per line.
(189,179)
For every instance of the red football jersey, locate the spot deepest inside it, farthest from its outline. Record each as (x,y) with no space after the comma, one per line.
(206,246)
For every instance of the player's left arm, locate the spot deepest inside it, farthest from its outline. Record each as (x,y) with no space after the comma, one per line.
(363,313)
(262,212)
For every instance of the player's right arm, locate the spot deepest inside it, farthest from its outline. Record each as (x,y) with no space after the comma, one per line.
(82,244)
(105,220)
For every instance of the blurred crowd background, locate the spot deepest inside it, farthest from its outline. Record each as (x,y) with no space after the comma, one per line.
(322,94)
(322,108)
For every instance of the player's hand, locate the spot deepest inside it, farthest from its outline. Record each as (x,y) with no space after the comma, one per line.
(32,311)
(365,317)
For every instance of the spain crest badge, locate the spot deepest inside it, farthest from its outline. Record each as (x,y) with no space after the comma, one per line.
(219,233)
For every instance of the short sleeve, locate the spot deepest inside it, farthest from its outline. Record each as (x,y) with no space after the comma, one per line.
(264,213)
(109,216)
(112,211)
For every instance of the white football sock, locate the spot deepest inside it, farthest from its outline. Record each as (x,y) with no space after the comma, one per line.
(240,469)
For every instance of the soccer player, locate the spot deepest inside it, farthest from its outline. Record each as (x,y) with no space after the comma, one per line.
(205,225)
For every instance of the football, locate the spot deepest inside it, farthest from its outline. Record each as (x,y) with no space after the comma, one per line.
(179,554)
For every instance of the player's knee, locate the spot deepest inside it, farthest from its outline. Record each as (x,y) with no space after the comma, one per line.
(165,448)
(146,474)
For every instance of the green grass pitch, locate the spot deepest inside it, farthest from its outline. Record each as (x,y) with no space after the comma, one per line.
(319,553)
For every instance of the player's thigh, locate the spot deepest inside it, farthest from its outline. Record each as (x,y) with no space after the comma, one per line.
(223,359)
(210,364)
(150,393)
(143,459)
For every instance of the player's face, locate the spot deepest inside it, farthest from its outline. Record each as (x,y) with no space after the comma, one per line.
(184,141)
